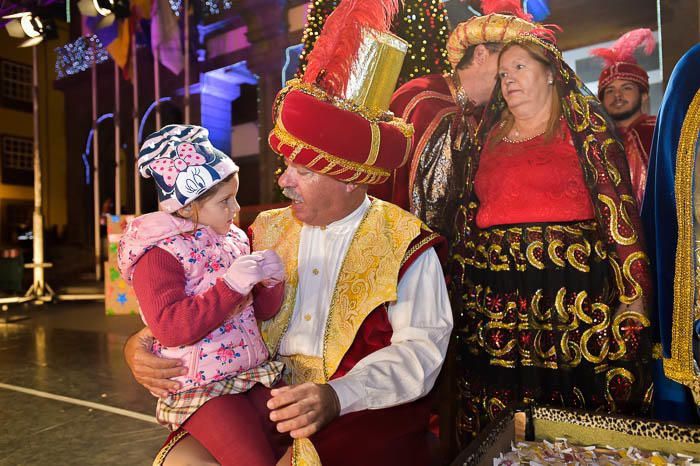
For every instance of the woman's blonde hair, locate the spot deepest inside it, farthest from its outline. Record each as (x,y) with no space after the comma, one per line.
(507,120)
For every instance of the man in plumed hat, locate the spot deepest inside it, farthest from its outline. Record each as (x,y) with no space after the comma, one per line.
(365,322)
(623,88)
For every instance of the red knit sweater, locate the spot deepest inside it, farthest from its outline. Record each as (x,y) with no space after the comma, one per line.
(177,319)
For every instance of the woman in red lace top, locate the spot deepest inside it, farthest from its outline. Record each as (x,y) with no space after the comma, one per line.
(548,263)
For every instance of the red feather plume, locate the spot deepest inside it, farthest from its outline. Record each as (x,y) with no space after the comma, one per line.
(511,7)
(623,48)
(337,46)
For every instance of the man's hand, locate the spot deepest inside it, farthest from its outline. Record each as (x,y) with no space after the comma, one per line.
(273,268)
(302,410)
(148,369)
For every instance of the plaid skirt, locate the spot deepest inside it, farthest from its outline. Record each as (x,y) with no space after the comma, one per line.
(174,410)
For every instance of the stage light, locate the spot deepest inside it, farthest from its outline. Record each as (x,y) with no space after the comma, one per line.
(110,10)
(25,24)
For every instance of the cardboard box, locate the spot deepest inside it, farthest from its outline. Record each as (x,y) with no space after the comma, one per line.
(119,297)
(116,225)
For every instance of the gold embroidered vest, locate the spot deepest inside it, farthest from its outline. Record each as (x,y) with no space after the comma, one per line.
(368,276)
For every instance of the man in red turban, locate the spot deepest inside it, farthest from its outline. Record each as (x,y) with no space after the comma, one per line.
(365,322)
(623,88)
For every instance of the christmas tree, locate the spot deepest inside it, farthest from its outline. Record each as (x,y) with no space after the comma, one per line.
(421,23)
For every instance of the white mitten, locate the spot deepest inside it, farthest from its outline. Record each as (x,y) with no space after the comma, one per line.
(245,273)
(273,268)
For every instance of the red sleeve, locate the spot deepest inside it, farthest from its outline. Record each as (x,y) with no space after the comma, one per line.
(418,102)
(267,301)
(173,317)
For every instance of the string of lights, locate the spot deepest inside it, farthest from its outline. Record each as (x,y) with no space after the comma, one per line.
(79,55)
(423,24)
(176,6)
(212,7)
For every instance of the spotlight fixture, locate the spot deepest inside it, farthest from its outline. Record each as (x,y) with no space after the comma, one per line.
(35,28)
(110,10)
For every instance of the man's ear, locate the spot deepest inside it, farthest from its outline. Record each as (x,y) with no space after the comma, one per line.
(186,212)
(645,98)
(481,54)
(350,187)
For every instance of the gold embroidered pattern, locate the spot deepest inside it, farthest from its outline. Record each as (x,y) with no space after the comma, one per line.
(288,140)
(657,351)
(300,368)
(304,453)
(627,271)
(554,255)
(279,230)
(594,331)
(628,378)
(163,452)
(578,255)
(531,252)
(417,247)
(618,336)
(368,276)
(376,140)
(616,224)
(681,365)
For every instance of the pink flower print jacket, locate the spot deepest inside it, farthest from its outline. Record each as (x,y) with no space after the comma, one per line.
(236,345)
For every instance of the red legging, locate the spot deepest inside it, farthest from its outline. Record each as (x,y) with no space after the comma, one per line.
(236,429)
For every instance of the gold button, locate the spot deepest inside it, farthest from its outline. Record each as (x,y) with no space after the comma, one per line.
(315,271)
(307,317)
(323,228)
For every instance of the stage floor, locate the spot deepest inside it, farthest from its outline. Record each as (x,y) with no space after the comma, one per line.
(66,395)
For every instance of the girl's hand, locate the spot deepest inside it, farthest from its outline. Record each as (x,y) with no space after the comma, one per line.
(245,273)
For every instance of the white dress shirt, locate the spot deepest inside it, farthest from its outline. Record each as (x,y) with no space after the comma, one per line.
(421,320)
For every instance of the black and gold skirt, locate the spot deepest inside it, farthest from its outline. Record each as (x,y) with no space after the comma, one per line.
(535,322)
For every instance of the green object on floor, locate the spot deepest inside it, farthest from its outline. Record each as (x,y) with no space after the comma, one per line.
(11,273)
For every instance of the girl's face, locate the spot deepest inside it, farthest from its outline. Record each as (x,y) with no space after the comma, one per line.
(219,210)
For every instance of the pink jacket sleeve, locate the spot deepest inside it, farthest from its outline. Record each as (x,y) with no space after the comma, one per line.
(173,317)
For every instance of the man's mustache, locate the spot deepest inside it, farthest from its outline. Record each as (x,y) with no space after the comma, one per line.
(291,194)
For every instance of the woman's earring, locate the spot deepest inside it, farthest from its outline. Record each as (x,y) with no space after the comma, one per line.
(550,82)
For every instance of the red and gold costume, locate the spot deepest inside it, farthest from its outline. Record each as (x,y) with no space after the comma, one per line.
(385,245)
(547,247)
(366,308)
(637,139)
(429,183)
(620,64)
(334,121)
(445,123)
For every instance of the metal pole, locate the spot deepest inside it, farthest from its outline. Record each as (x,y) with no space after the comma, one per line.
(156,83)
(135,121)
(117,142)
(96,175)
(660,41)
(38,217)
(187,61)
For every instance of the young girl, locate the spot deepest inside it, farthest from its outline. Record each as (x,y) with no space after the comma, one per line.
(193,275)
